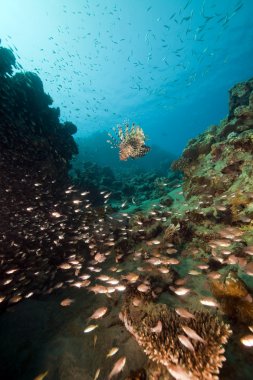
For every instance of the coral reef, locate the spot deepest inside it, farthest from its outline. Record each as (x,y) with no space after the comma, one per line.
(164,347)
(234,297)
(139,374)
(170,232)
(218,162)
(239,96)
(31,135)
(218,172)
(131,190)
(39,223)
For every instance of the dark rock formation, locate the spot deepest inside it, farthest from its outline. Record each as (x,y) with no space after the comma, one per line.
(31,134)
(38,220)
(7,61)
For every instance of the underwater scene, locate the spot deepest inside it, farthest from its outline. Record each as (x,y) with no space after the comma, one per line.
(126,190)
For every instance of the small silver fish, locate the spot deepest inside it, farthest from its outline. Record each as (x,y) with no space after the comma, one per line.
(209,301)
(143,288)
(158,328)
(178,372)
(181,291)
(247,340)
(90,328)
(112,351)
(192,334)
(97,374)
(41,376)
(99,313)
(185,341)
(118,367)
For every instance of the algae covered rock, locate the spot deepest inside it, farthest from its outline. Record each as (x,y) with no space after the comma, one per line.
(218,163)
(234,297)
(239,95)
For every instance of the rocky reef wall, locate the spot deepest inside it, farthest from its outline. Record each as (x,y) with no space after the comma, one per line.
(31,134)
(217,165)
(35,212)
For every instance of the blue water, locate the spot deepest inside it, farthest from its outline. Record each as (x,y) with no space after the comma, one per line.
(167,65)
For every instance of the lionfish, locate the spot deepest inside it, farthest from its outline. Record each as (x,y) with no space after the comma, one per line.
(129,140)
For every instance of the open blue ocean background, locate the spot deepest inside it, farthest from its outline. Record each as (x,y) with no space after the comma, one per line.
(166,65)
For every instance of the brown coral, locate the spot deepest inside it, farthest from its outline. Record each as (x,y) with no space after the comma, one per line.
(231,286)
(139,374)
(234,297)
(239,95)
(164,348)
(219,161)
(170,232)
(238,204)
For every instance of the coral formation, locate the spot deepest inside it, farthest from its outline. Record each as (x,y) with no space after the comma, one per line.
(239,96)
(164,347)
(217,211)
(31,134)
(170,232)
(139,374)
(128,189)
(217,165)
(35,211)
(234,297)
